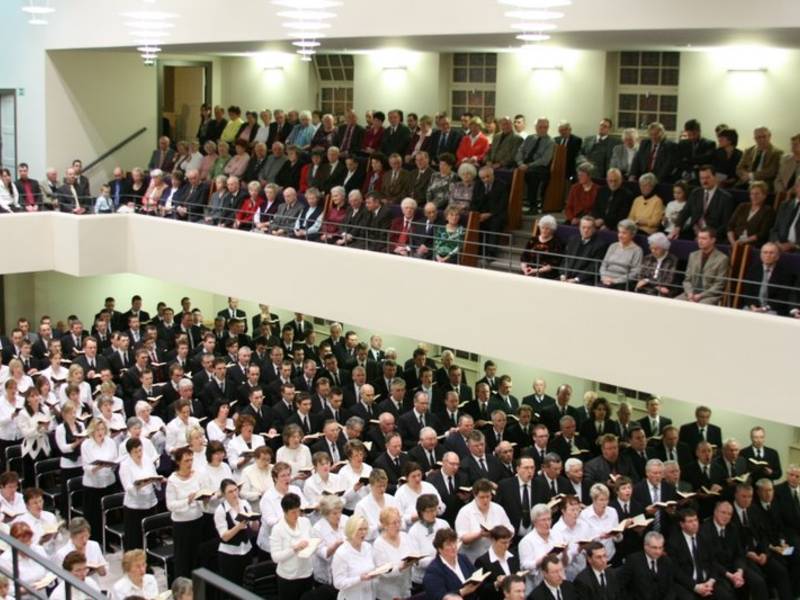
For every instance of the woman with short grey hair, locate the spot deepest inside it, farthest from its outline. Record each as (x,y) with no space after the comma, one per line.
(658,268)
(541,256)
(647,210)
(621,264)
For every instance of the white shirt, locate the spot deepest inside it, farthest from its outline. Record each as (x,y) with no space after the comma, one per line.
(176,433)
(572,535)
(125,587)
(281,539)
(9,431)
(531,550)
(178,492)
(255,482)
(29,570)
(600,525)
(92,551)
(271,513)
(422,538)
(15,507)
(38,525)
(60,593)
(221,525)
(347,567)
(237,446)
(324,531)
(35,440)
(210,479)
(408,501)
(470,519)
(395,583)
(149,452)
(348,479)
(215,433)
(369,508)
(137,498)
(298,458)
(92,451)
(503,562)
(314,486)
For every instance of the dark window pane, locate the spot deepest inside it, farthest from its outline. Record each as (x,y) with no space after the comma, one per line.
(476,75)
(669,77)
(338,74)
(325,75)
(321,60)
(335,60)
(648,102)
(670,59)
(457,109)
(460,59)
(488,98)
(350,95)
(475,99)
(491,75)
(670,122)
(629,59)
(327,94)
(647,118)
(459,75)
(627,101)
(668,104)
(459,97)
(491,60)
(348,74)
(476,59)
(347,60)
(651,59)
(629,76)
(650,76)
(627,119)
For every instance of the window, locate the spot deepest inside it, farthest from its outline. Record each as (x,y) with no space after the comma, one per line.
(648,89)
(335,75)
(472,84)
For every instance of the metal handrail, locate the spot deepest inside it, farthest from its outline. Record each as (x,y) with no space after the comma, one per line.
(203,578)
(114,148)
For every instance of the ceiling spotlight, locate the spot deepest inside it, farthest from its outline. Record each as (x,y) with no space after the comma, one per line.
(147,48)
(38,10)
(307,4)
(307,25)
(37,21)
(533,37)
(149,15)
(306,51)
(306,43)
(526,26)
(534,15)
(304,35)
(305,58)
(149,25)
(306,15)
(535,3)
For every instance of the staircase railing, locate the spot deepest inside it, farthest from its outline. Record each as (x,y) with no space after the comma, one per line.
(114,148)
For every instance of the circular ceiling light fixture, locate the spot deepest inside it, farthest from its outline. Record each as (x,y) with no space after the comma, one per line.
(307,15)
(307,4)
(306,43)
(32,9)
(533,37)
(534,15)
(528,26)
(535,3)
(37,21)
(307,25)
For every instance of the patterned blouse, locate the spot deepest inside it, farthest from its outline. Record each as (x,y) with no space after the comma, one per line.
(448,243)
(439,189)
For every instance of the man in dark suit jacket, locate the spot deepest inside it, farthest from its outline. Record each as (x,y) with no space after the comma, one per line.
(597,149)
(392,460)
(444,140)
(279,129)
(421,177)
(441,580)
(643,493)
(693,152)
(583,254)
(669,448)
(613,202)
(654,417)
(396,136)
(477,464)
(350,134)
(657,155)
(162,157)
(263,415)
(758,451)
(233,312)
(651,573)
(707,206)
(785,217)
(26,185)
(509,496)
(787,500)
(553,579)
(410,423)
(490,199)
(380,219)
(549,479)
(356,219)
(573,144)
(692,434)
(606,585)
(775,297)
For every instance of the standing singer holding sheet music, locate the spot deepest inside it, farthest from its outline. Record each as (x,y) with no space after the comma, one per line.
(98,453)
(393,546)
(137,475)
(353,562)
(35,423)
(287,541)
(69,437)
(183,488)
(233,524)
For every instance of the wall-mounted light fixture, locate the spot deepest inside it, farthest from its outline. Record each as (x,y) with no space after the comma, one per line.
(395,68)
(747,70)
(548,68)
(273,68)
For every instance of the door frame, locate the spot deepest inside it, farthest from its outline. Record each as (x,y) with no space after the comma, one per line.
(208,66)
(13,93)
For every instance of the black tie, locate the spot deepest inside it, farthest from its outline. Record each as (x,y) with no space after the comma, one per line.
(306,425)
(397,462)
(421,421)
(553,487)
(431,458)
(745,520)
(483,465)
(450,485)
(722,533)
(700,575)
(526,507)
(602,580)
(558,593)
(653,567)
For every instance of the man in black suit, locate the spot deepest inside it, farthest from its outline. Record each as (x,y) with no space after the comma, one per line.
(583,254)
(356,219)
(396,136)
(516,495)
(279,129)
(447,482)
(444,140)
(135,311)
(427,452)
(767,282)
(650,574)
(568,444)
(637,451)
(303,416)
(787,500)
(773,531)
(503,399)
(71,343)
(573,143)
(613,202)
(477,464)
(539,400)
(262,415)
(423,231)
(539,446)
(610,463)
(233,312)
(331,443)
(549,482)
(728,465)
(370,368)
(163,157)
(30,193)
(410,423)
(458,440)
(657,155)
(707,206)
(193,202)
(670,448)
(692,434)
(350,134)
(699,473)
(192,332)
(490,200)
(785,219)
(300,326)
(653,424)
(653,489)
(597,580)
(90,361)
(693,152)
(554,585)
(392,460)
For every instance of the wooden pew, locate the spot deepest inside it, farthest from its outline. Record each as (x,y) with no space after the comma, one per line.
(555,192)
(515,196)
(740,257)
(470,251)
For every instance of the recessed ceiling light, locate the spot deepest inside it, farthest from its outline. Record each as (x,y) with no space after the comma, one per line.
(306,15)
(307,4)
(533,37)
(306,43)
(38,10)
(307,25)
(528,26)
(146,49)
(304,35)
(306,51)
(535,3)
(37,21)
(149,15)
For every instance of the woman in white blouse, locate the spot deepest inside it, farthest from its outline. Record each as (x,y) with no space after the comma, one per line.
(412,489)
(600,519)
(215,471)
(257,477)
(70,436)
(136,581)
(178,427)
(330,531)
(75,563)
(140,495)
(351,474)
(372,504)
(98,479)
(42,522)
(476,518)
(16,371)
(539,542)
(153,427)
(196,441)
(352,563)
(392,546)
(422,533)
(270,504)
(108,389)
(233,528)
(244,443)
(49,398)
(294,452)
(221,428)
(322,480)
(29,570)
(572,530)
(288,538)
(55,373)
(35,423)
(79,533)
(9,408)
(150,454)
(12,504)
(75,378)
(187,512)
(114,421)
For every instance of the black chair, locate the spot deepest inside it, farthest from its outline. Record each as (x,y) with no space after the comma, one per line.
(13,457)
(155,531)
(111,509)
(261,579)
(47,474)
(75,497)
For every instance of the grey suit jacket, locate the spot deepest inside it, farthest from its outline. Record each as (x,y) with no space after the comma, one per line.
(787,167)
(598,152)
(504,149)
(286,216)
(709,281)
(622,160)
(543,155)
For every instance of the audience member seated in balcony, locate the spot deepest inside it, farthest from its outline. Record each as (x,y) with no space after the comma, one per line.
(693,152)
(273,168)
(706,271)
(279,129)
(349,134)
(69,198)
(474,145)
(269,207)
(425,231)
(584,252)
(680,194)
(152,197)
(257,162)
(119,189)
(647,210)
(707,206)
(461,192)
(223,157)
(397,182)
(504,146)
(311,172)
(582,195)
(786,230)
(287,214)
(620,266)
(333,171)
(448,239)
(373,136)
(533,158)
(262,135)
(490,200)
(759,162)
(445,140)
(250,205)
(303,132)
(752,221)
(541,256)
(396,136)
(210,158)
(356,219)
(213,211)
(172,195)
(163,157)
(420,140)
(767,282)
(238,164)
(401,231)
(380,220)
(788,170)
(623,155)
(442,182)
(103,205)
(373,182)
(658,268)
(353,177)
(309,222)
(421,176)
(598,149)
(325,134)
(573,143)
(613,201)
(337,212)
(217,125)
(657,155)
(28,189)
(249,129)
(183,155)
(233,126)
(725,159)
(232,199)
(289,175)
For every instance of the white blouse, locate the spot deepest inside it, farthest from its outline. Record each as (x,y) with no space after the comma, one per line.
(237,446)
(422,538)
(369,508)
(255,482)
(281,539)
(600,525)
(347,567)
(137,498)
(324,531)
(92,451)
(60,593)
(149,452)
(573,535)
(348,480)
(297,458)
(408,501)
(94,556)
(532,548)
(314,487)
(9,431)
(37,525)
(84,395)
(470,519)
(176,433)
(35,439)
(221,525)
(64,448)
(29,571)
(178,492)
(215,433)
(211,478)
(271,513)
(125,587)
(14,507)
(396,583)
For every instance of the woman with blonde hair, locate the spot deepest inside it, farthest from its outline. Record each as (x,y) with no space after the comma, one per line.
(330,530)
(353,561)
(99,455)
(241,447)
(392,546)
(136,581)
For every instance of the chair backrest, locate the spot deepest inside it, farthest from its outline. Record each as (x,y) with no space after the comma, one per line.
(556,187)
(471,247)
(112,501)
(155,523)
(75,484)
(48,465)
(514,212)
(261,579)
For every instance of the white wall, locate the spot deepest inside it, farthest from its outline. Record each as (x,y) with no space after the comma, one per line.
(247,84)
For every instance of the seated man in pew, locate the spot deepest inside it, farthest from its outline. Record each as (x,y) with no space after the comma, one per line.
(490,199)
(766,285)
(786,230)
(759,162)
(584,252)
(706,271)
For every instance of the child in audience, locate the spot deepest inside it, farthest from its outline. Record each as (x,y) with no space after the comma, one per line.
(103,205)
(674,207)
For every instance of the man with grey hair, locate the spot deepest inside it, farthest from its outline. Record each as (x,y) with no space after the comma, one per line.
(411,423)
(657,155)
(759,162)
(162,157)
(356,219)
(613,202)
(572,143)
(533,159)
(505,144)
(190,205)
(274,165)
(623,155)
(256,163)
(490,201)
(232,198)
(49,188)
(427,452)
(652,492)
(584,252)
(651,573)
(282,224)
(69,198)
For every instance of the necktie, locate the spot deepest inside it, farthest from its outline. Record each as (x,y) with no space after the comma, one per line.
(450,485)
(75,195)
(745,520)
(657,516)
(334,452)
(443,142)
(654,426)
(421,421)
(722,533)
(335,415)
(347,136)
(796,495)
(697,568)
(558,593)
(397,462)
(431,458)
(553,487)
(402,239)
(526,507)
(483,465)
(653,567)
(705,471)
(602,579)
(757,161)
(703,433)
(652,162)
(306,426)
(730,469)
(624,508)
